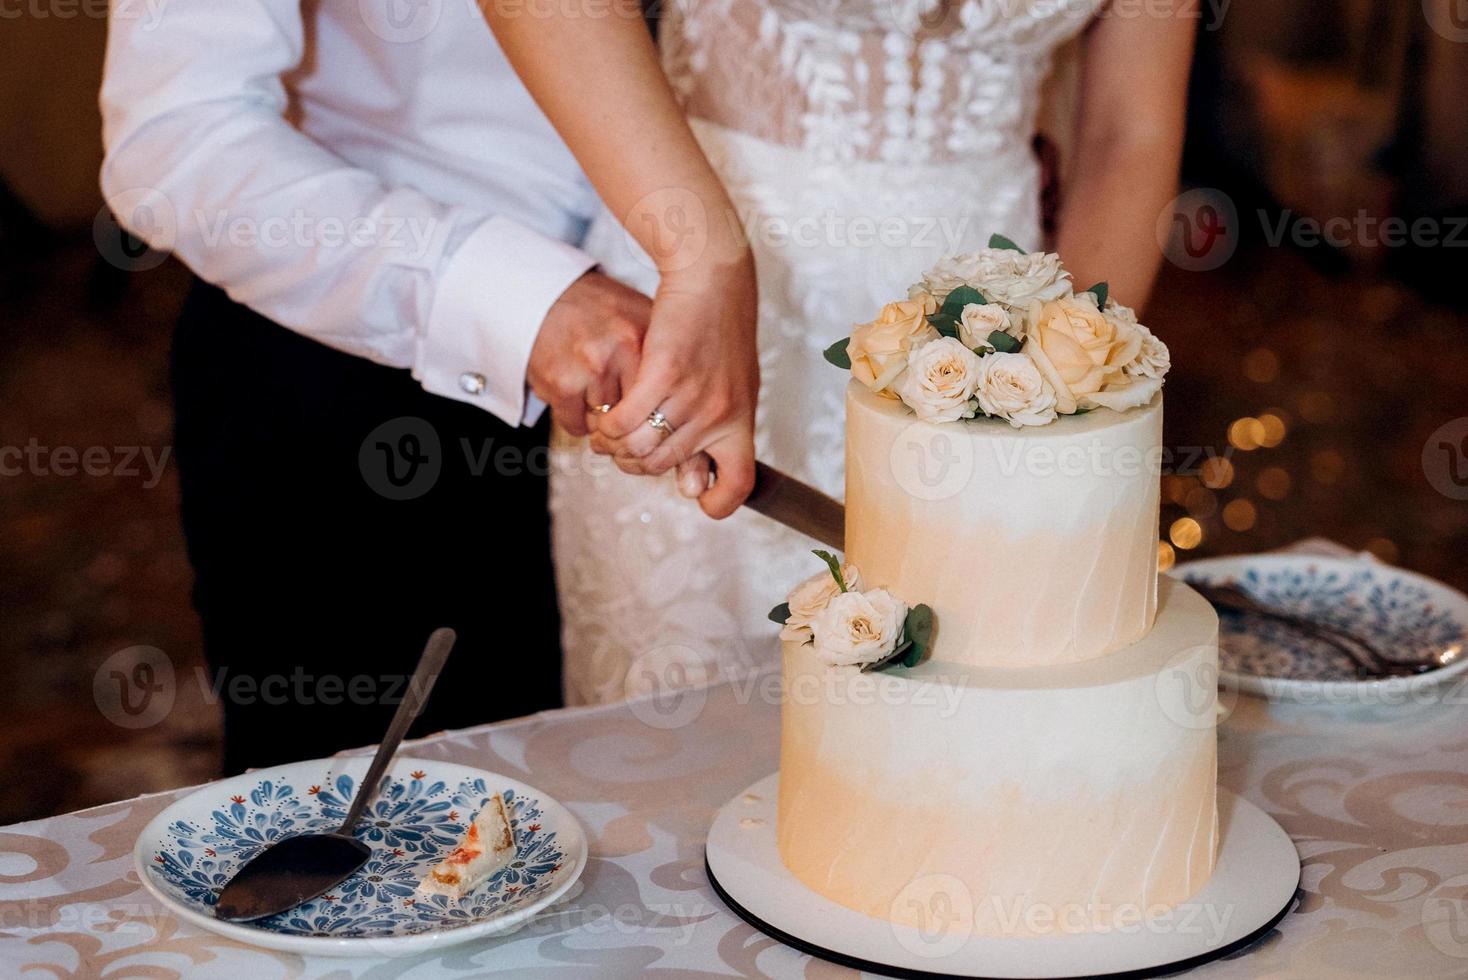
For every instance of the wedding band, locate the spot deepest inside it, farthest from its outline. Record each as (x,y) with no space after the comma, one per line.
(601,409)
(659,421)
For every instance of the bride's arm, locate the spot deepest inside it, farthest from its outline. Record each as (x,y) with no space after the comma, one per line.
(1133,97)
(599,82)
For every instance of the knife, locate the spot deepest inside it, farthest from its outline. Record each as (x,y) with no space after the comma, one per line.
(798,506)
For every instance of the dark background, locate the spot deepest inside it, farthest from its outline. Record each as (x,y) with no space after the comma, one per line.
(1318,371)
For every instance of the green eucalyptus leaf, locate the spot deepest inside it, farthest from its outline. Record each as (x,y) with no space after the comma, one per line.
(959,298)
(999,241)
(780,613)
(919,632)
(834,564)
(944,324)
(837,355)
(1003,342)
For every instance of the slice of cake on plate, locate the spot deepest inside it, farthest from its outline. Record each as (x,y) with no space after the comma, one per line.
(488,845)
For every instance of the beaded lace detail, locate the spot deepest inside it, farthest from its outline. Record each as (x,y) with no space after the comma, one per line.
(892,80)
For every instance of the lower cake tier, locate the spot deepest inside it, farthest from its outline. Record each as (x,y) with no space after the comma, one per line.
(1003,801)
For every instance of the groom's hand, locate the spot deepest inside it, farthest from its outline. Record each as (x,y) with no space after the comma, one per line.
(588,348)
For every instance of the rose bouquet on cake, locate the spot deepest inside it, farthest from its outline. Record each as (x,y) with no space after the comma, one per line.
(1001,333)
(850,627)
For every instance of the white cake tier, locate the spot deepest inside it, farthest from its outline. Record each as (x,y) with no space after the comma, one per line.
(1008,801)
(1033,546)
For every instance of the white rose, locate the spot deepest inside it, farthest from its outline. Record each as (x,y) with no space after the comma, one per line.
(977,321)
(809,598)
(1152,361)
(1002,275)
(1017,278)
(951,272)
(1012,388)
(858,628)
(1116,311)
(939,381)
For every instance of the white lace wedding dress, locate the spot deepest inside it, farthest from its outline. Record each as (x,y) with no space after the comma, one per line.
(860,140)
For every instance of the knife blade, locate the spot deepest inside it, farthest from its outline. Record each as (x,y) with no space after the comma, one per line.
(798,506)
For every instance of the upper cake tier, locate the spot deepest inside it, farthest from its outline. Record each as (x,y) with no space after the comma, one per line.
(1033,546)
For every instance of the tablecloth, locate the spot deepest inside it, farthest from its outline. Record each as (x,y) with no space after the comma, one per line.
(1375,796)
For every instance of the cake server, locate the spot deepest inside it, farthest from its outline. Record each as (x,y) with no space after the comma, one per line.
(798,506)
(299,868)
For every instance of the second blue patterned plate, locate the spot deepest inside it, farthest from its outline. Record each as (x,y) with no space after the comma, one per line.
(186,854)
(1404,615)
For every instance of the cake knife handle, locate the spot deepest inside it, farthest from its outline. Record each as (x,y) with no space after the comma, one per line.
(798,506)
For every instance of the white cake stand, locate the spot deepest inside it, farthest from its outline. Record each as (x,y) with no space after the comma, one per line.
(1252,888)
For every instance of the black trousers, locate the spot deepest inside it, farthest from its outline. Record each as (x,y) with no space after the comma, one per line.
(336,514)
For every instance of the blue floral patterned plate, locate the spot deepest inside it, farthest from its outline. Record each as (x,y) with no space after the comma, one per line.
(1404,615)
(186,854)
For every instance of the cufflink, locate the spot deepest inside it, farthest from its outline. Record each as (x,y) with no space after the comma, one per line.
(472,382)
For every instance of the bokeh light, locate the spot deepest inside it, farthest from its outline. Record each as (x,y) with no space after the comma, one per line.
(1246,434)
(1217,473)
(1200,502)
(1239,515)
(1261,365)
(1274,429)
(1273,483)
(1166,557)
(1186,533)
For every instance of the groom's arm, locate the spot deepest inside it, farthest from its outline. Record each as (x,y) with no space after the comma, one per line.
(201,161)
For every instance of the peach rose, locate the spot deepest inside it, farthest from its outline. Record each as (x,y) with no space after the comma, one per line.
(1078,349)
(879,350)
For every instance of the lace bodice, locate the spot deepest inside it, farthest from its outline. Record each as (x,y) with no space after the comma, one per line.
(892,80)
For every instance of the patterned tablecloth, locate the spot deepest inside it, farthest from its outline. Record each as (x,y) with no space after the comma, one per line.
(1374,795)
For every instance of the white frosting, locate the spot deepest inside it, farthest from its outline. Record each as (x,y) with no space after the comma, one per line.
(1083,791)
(1033,546)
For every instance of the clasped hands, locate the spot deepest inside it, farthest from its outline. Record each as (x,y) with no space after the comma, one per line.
(668,383)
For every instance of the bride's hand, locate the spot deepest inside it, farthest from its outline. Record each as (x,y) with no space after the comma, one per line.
(699,368)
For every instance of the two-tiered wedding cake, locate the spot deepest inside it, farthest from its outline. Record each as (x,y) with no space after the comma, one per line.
(1032,749)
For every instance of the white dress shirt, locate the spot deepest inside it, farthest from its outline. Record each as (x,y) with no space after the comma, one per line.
(369,173)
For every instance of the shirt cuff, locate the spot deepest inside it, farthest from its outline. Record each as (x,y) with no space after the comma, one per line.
(487,312)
